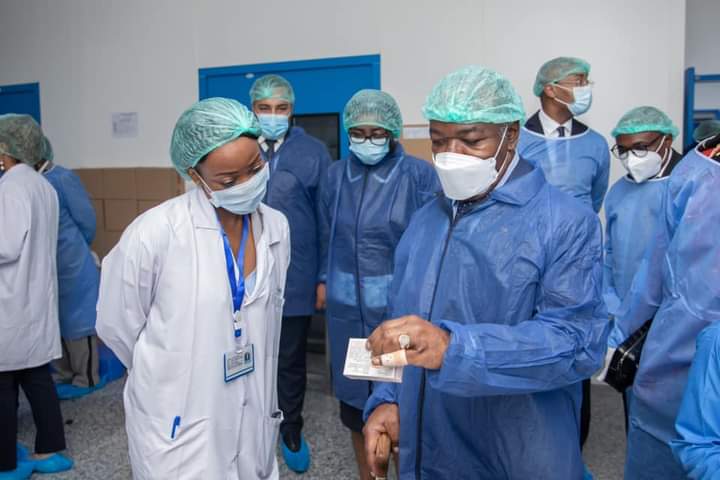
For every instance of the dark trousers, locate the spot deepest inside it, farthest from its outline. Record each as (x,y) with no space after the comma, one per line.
(292,372)
(40,392)
(626,406)
(585,413)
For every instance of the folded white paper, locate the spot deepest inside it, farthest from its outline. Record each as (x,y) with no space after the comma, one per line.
(358,365)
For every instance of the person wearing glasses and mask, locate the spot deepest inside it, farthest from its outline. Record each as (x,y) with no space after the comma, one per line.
(573,157)
(366,204)
(677,285)
(644,137)
(297,162)
(191,302)
(496,305)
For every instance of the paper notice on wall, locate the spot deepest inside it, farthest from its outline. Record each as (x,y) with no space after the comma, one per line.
(358,365)
(416,133)
(125,125)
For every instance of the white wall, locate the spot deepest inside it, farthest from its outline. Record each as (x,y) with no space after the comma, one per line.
(701,48)
(94,57)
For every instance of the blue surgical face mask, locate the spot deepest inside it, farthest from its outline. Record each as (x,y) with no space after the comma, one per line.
(273,126)
(368,153)
(582,102)
(242,198)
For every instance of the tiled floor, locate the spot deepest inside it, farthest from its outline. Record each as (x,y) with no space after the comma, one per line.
(96,434)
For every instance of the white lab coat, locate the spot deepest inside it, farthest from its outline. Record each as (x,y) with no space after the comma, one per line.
(165,309)
(29,327)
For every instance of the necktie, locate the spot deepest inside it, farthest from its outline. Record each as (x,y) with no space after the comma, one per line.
(561,131)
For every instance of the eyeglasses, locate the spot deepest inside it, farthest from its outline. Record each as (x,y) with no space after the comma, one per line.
(576,83)
(639,150)
(379,140)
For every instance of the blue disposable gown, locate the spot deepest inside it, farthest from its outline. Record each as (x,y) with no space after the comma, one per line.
(578,164)
(296,170)
(698,422)
(678,283)
(631,212)
(516,280)
(365,211)
(78,276)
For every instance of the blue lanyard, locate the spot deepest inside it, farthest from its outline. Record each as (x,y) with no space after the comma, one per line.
(237,290)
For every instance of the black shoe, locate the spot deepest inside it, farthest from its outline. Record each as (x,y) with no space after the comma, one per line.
(292,441)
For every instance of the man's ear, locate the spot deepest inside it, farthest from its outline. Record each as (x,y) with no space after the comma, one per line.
(668,141)
(549,91)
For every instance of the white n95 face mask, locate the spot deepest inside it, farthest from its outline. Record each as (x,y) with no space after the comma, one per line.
(644,168)
(466,176)
(242,198)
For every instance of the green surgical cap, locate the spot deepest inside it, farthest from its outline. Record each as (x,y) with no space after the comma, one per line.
(373,107)
(474,95)
(21,138)
(645,119)
(47,151)
(707,129)
(207,125)
(272,86)
(557,69)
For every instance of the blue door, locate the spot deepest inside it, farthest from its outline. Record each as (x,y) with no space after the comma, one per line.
(322,88)
(23,98)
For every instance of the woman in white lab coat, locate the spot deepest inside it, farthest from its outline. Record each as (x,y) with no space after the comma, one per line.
(29,328)
(191,301)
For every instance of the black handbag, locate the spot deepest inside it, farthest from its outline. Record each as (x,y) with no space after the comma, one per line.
(626,359)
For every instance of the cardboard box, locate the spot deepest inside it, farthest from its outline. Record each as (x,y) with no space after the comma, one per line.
(92,179)
(119,214)
(145,205)
(99,214)
(157,183)
(119,184)
(417,147)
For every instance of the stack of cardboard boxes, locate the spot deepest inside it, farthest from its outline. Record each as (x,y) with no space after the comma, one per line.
(119,195)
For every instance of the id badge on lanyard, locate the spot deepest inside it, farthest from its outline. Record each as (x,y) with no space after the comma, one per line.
(240,361)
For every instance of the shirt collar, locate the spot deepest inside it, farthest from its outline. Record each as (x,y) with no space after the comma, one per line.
(264,143)
(550,126)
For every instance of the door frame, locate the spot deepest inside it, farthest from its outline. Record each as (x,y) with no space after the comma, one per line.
(24,88)
(259,69)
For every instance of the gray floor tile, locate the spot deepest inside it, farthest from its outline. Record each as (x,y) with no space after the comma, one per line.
(96,434)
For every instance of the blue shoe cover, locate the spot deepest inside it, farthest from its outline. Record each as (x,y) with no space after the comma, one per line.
(22,472)
(22,452)
(68,391)
(299,461)
(55,463)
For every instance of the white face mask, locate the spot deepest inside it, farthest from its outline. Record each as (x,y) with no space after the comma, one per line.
(466,176)
(242,198)
(647,167)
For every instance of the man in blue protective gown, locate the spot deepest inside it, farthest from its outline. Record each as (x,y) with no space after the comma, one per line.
(297,162)
(496,299)
(77,372)
(366,204)
(698,422)
(678,285)
(573,157)
(644,137)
